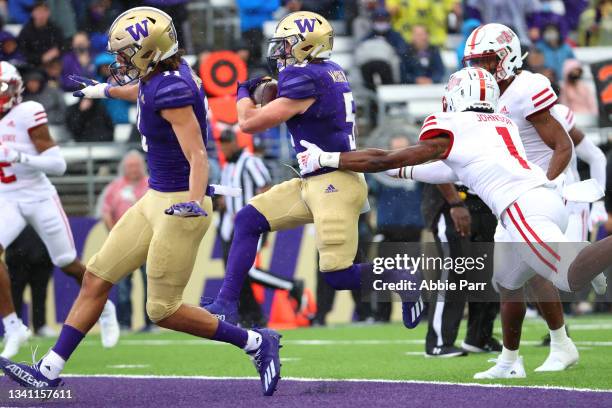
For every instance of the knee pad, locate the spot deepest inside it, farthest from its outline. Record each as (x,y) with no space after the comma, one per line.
(158,310)
(333,233)
(250,221)
(65,259)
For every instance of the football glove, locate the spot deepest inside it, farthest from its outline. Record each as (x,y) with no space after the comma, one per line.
(246,88)
(8,155)
(188,209)
(91,89)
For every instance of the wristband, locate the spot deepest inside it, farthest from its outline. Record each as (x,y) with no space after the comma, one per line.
(329,159)
(242,93)
(107,91)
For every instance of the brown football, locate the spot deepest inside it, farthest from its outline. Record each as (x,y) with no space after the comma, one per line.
(265,92)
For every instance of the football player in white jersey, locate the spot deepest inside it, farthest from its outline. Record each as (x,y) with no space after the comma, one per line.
(27,155)
(527,98)
(483,150)
(582,218)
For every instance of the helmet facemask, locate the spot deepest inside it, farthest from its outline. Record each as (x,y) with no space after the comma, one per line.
(490,62)
(280,52)
(10,95)
(123,70)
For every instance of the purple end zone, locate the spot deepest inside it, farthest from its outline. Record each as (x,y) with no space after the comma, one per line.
(180,392)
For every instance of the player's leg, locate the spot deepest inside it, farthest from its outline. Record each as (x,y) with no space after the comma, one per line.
(172,254)
(279,208)
(124,250)
(16,333)
(591,261)
(51,223)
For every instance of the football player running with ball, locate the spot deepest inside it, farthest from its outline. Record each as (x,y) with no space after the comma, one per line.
(469,143)
(316,102)
(27,155)
(165,227)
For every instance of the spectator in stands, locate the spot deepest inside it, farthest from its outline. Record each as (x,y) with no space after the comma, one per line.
(361,22)
(514,14)
(118,109)
(53,71)
(563,14)
(556,51)
(575,93)
(425,64)
(596,24)
(19,10)
(326,8)
(431,14)
(98,18)
(63,15)
(121,194)
(9,51)
(40,40)
(383,52)
(37,89)
(288,6)
(88,121)
(253,15)
(77,62)
(177,9)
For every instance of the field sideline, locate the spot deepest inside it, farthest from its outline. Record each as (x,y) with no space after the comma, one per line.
(382,355)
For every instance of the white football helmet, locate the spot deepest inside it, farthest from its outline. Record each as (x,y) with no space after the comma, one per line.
(496,48)
(11,87)
(471,88)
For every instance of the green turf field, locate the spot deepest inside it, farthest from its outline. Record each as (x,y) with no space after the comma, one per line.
(347,351)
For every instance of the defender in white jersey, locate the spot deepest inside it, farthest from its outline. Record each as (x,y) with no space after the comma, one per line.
(483,150)
(27,155)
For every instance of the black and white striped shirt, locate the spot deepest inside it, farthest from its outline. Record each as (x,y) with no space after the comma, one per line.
(248,173)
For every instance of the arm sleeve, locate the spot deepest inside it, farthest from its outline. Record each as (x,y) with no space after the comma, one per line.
(433,173)
(50,161)
(588,152)
(437,125)
(173,92)
(540,96)
(296,85)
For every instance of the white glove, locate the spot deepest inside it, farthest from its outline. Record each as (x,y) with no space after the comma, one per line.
(309,158)
(8,155)
(395,173)
(559,183)
(598,215)
(91,88)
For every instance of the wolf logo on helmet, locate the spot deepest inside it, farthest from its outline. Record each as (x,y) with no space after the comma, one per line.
(140,38)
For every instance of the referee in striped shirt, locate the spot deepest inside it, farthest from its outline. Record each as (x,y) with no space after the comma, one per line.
(248,172)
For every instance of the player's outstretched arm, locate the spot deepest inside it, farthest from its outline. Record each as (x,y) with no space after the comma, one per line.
(552,133)
(374,160)
(97,90)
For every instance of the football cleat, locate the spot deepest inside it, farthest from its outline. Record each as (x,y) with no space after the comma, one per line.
(109,325)
(27,375)
(445,352)
(516,370)
(13,341)
(600,284)
(412,312)
(225,311)
(267,361)
(491,345)
(561,357)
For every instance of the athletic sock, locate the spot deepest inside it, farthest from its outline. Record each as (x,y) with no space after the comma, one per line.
(559,335)
(11,323)
(508,357)
(67,341)
(228,333)
(249,224)
(52,365)
(347,279)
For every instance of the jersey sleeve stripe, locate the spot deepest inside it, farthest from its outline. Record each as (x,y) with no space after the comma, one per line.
(429,119)
(536,96)
(434,123)
(40,113)
(431,133)
(541,101)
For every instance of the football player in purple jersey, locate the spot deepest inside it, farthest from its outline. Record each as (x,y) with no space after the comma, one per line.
(316,102)
(165,227)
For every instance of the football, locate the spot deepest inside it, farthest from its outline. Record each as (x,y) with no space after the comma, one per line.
(265,92)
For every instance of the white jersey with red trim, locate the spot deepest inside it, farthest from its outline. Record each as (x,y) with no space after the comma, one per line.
(565,116)
(487,155)
(529,93)
(17,181)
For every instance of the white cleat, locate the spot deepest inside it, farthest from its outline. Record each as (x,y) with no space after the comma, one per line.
(14,341)
(600,284)
(109,325)
(516,370)
(561,357)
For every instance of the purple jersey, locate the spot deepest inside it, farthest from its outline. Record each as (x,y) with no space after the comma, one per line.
(168,167)
(330,120)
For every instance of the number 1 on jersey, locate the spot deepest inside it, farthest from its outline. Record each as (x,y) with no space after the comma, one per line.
(505,134)
(349,105)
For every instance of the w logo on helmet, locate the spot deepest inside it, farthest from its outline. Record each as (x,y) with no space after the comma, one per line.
(139,29)
(306,24)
